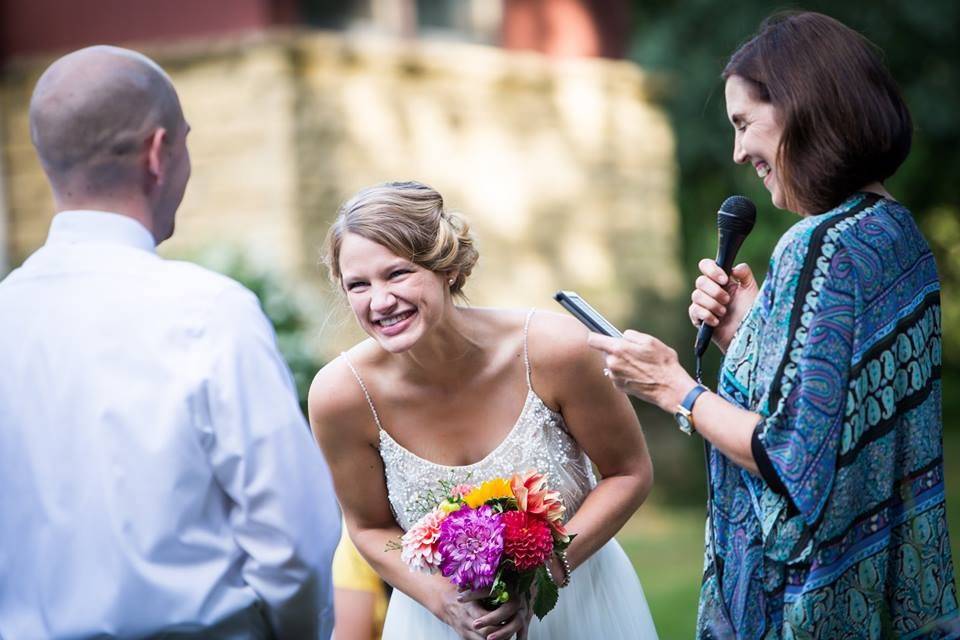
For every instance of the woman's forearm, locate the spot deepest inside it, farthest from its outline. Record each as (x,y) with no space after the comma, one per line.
(727,427)
(422,587)
(604,512)
(646,368)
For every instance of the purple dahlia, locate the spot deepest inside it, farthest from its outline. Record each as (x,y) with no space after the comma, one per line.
(471,545)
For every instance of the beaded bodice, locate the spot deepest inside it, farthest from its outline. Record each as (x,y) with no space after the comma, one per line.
(539,441)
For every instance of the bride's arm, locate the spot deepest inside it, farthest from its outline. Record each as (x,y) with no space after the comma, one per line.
(569,375)
(344,428)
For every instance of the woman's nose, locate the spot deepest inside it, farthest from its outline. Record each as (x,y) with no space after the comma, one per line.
(739,155)
(382,299)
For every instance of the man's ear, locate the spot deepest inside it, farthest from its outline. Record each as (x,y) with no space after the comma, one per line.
(156,163)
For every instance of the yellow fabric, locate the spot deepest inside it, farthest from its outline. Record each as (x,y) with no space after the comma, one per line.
(351,571)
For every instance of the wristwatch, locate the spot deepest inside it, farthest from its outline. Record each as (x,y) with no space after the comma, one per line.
(684,414)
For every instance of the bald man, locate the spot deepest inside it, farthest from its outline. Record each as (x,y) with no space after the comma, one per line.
(157,477)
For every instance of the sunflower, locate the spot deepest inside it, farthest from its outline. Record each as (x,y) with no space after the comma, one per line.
(489,490)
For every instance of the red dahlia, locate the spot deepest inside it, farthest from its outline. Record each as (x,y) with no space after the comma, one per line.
(526,539)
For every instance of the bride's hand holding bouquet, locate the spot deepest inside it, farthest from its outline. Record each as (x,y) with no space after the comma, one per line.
(496,543)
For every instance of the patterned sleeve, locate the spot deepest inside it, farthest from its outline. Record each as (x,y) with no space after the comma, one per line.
(795,444)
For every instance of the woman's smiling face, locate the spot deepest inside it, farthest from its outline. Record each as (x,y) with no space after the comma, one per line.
(757,135)
(394,300)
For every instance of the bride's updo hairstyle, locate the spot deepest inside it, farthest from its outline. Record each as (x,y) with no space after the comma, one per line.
(407,218)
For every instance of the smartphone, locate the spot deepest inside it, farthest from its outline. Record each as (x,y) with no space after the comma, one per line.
(586,314)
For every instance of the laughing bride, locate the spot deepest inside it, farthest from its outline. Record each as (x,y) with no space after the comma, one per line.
(454,393)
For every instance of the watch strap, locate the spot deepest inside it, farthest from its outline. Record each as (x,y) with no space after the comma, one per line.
(692,396)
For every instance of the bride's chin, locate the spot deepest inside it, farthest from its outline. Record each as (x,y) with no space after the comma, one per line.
(393,348)
(394,344)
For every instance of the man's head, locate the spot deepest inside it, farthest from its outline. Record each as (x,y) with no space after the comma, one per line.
(110,133)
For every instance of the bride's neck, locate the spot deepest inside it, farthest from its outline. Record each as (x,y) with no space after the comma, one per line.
(448,354)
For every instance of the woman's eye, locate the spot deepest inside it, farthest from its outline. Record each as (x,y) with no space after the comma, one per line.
(398,272)
(352,286)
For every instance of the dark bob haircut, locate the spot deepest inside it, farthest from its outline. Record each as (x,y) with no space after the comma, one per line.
(845,124)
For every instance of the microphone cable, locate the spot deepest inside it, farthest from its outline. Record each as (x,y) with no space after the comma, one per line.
(735,220)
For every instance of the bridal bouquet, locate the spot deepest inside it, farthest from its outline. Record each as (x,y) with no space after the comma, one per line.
(497,535)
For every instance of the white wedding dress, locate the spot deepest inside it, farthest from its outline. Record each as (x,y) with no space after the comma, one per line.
(604,598)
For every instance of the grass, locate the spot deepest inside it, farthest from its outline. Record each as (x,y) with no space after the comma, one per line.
(666,548)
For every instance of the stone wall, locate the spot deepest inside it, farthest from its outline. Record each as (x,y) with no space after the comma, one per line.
(565,169)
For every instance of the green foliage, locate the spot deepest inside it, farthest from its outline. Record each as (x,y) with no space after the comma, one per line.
(547,593)
(689,41)
(498,592)
(666,549)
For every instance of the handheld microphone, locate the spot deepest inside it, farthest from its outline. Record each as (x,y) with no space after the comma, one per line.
(735,220)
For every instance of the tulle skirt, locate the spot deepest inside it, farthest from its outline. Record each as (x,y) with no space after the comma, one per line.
(603,600)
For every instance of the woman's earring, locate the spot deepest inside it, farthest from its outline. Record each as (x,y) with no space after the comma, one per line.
(451,281)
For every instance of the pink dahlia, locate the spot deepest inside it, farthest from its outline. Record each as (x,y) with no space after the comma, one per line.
(420,545)
(527,539)
(533,496)
(471,545)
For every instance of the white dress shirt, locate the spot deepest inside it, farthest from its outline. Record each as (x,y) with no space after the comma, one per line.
(156,473)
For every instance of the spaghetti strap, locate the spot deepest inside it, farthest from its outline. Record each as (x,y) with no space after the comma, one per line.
(366,394)
(526,352)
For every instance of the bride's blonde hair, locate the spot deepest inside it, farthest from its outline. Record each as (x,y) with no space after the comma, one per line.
(409,219)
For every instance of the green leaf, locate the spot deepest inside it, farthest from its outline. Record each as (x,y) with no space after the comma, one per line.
(500,598)
(547,594)
(501,505)
(525,581)
(560,545)
(498,591)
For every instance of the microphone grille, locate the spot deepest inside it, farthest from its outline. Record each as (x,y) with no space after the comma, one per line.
(738,214)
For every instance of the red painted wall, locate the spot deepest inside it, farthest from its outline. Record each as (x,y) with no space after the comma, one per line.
(34,26)
(568,28)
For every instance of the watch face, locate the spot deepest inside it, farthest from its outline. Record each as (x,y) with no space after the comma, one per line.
(684,422)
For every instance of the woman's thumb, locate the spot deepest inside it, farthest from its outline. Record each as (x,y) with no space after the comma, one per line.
(744,275)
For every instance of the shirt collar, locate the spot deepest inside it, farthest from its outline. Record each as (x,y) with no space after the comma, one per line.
(99,227)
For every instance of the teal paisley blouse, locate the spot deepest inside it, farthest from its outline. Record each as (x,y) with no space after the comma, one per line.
(843,534)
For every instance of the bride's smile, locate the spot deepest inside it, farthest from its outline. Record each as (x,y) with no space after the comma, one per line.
(395,301)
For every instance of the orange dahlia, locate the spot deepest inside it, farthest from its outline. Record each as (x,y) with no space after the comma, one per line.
(533,496)
(527,539)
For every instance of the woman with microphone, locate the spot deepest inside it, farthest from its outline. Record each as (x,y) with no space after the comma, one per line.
(827,515)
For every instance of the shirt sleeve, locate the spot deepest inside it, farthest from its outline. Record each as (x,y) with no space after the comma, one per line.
(795,445)
(284,513)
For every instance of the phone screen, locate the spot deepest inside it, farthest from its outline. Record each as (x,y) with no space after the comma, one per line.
(586,314)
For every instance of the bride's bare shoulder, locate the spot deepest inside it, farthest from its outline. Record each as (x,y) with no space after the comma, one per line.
(553,338)
(500,322)
(560,359)
(557,339)
(336,401)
